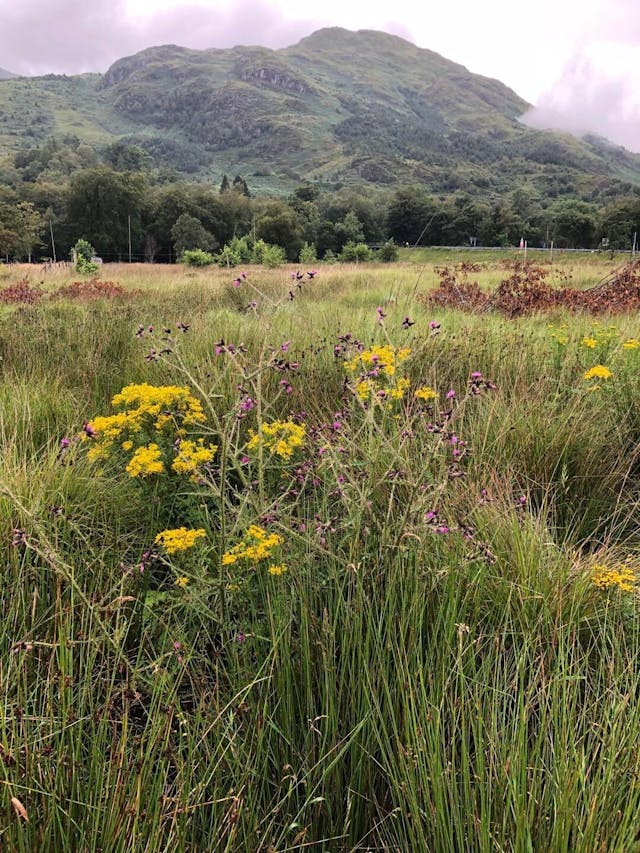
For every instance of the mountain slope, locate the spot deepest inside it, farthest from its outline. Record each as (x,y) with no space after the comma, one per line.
(6,75)
(338,106)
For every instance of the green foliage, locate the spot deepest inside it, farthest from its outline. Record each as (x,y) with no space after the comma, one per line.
(388,253)
(196,258)
(355,253)
(267,255)
(21,226)
(308,254)
(83,252)
(102,203)
(189,233)
(279,226)
(239,185)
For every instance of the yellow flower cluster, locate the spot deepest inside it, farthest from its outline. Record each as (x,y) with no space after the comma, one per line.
(632,343)
(384,358)
(366,388)
(398,391)
(281,438)
(163,410)
(277,569)
(161,402)
(145,460)
(256,545)
(178,539)
(191,455)
(598,372)
(425,393)
(592,343)
(621,576)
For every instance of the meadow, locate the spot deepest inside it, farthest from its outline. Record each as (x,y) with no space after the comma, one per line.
(317,564)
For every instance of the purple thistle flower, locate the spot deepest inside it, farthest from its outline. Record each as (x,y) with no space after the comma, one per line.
(451,395)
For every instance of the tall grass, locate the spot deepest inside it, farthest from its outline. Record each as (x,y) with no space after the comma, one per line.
(410,682)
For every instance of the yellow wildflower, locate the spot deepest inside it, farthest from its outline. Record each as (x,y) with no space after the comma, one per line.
(383,358)
(277,570)
(191,455)
(621,576)
(599,371)
(145,460)
(425,393)
(281,438)
(365,389)
(590,342)
(398,392)
(256,545)
(182,581)
(632,343)
(178,539)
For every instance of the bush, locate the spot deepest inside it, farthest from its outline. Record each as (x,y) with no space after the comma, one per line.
(196,258)
(242,247)
(273,257)
(267,255)
(83,252)
(355,253)
(228,257)
(389,252)
(308,254)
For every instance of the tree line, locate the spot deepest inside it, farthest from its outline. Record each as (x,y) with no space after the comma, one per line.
(127,214)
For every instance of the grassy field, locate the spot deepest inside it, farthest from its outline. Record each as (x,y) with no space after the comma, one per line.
(338,570)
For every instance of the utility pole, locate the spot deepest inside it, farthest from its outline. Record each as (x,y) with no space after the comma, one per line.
(635,244)
(129,222)
(53,242)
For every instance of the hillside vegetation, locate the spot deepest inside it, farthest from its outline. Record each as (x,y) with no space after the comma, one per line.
(339,106)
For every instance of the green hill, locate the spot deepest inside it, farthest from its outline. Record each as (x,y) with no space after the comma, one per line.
(339,107)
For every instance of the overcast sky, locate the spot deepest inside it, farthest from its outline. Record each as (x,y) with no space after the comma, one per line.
(579,58)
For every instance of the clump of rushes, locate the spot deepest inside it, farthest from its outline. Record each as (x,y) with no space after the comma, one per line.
(151,430)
